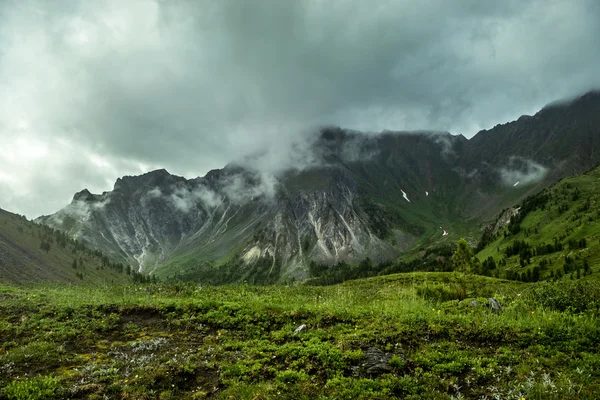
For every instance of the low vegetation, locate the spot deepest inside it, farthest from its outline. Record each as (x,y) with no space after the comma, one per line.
(437,334)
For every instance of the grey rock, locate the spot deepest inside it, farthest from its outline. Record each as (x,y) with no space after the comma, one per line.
(300,329)
(474,303)
(494,305)
(376,361)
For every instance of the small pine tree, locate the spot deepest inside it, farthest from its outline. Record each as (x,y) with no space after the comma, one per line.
(462,259)
(535,274)
(586,267)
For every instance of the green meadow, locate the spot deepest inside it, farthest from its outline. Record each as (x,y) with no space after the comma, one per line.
(435,335)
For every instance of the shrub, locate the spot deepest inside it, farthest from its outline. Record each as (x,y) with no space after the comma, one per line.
(441,292)
(564,295)
(38,388)
(291,376)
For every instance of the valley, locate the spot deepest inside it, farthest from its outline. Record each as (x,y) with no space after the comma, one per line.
(347,279)
(382,197)
(298,200)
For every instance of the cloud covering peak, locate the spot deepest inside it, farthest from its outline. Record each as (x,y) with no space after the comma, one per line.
(93,90)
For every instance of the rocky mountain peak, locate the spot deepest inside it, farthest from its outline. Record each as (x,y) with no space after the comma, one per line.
(84,195)
(156,178)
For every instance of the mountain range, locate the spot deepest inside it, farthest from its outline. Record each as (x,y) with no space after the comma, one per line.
(379,196)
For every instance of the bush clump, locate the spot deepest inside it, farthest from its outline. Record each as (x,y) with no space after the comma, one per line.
(575,296)
(442,292)
(38,388)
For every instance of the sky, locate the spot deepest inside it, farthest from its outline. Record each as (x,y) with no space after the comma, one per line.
(94,90)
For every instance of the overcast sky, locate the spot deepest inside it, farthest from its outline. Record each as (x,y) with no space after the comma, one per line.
(93,90)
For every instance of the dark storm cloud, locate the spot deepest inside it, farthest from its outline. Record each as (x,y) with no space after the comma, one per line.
(91,90)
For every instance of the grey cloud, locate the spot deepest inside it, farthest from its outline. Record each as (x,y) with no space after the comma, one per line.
(466,174)
(182,200)
(208,197)
(240,190)
(193,85)
(185,199)
(358,149)
(445,144)
(237,188)
(522,171)
(155,193)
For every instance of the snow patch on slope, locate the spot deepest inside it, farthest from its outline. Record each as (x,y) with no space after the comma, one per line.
(404,195)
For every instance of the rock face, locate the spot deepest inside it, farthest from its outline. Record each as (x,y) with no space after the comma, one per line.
(342,209)
(365,196)
(148,219)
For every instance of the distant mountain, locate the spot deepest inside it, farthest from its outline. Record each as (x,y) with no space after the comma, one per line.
(563,137)
(377,196)
(560,140)
(33,253)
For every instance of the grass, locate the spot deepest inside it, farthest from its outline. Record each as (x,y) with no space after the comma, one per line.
(185,341)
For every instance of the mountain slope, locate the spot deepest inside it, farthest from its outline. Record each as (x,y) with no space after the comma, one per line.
(375,196)
(345,208)
(564,137)
(34,253)
(560,140)
(552,234)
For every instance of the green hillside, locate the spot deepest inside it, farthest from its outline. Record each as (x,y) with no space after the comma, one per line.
(554,235)
(184,341)
(34,253)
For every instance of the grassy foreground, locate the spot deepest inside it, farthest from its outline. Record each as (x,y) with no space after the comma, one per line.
(183,341)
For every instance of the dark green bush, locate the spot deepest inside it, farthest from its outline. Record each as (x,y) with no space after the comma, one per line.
(574,296)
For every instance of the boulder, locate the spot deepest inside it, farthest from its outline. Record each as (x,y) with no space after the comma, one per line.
(494,305)
(376,361)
